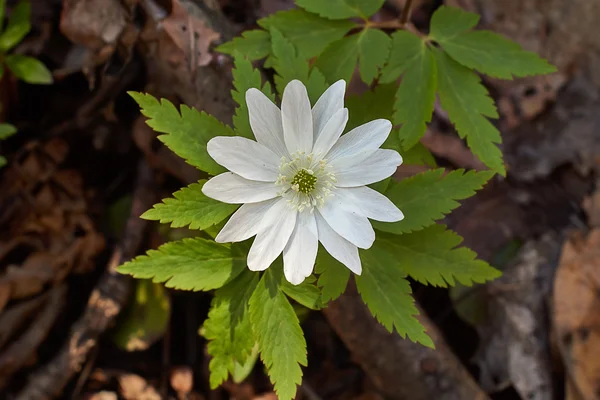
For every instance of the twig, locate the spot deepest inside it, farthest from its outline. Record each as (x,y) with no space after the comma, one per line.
(104,304)
(399,368)
(405,16)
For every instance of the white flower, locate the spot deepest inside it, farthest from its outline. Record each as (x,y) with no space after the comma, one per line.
(302,183)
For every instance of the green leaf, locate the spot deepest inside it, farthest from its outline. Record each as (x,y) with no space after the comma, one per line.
(228,327)
(448,22)
(415,97)
(2,12)
(339,60)
(28,69)
(190,207)
(370,105)
(417,155)
(2,161)
(341,9)
(145,320)
(245,77)
(316,85)
(286,62)
(254,45)
(429,196)
(333,276)
(242,371)
(305,293)
(7,130)
(18,26)
(430,256)
(186,134)
(468,104)
(189,264)
(373,52)
(280,339)
(385,290)
(494,55)
(309,33)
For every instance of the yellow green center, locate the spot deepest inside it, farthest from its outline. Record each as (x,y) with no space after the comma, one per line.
(304,181)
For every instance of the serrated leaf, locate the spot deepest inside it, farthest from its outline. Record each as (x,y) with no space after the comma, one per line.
(468,104)
(316,85)
(494,55)
(385,290)
(28,69)
(18,26)
(286,62)
(429,196)
(339,60)
(430,256)
(190,207)
(413,106)
(228,327)
(341,9)
(253,45)
(448,22)
(7,130)
(245,77)
(189,264)
(309,33)
(280,339)
(370,105)
(305,293)
(333,276)
(145,319)
(373,52)
(186,134)
(417,155)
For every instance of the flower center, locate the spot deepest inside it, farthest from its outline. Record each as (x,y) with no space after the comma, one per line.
(304,181)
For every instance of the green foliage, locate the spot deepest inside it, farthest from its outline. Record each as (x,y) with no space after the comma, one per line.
(385,290)
(430,256)
(190,207)
(309,33)
(189,264)
(7,130)
(228,327)
(2,161)
(333,276)
(341,9)
(373,51)
(18,26)
(305,293)
(186,134)
(28,69)
(254,45)
(485,51)
(339,59)
(145,320)
(280,340)
(429,196)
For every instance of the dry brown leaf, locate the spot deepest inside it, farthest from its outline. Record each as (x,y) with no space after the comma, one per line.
(576,315)
(134,387)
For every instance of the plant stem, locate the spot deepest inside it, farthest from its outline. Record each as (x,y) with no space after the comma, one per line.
(406,12)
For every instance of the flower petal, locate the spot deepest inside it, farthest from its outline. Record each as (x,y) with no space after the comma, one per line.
(359,143)
(245,157)
(245,222)
(378,166)
(275,232)
(301,251)
(328,104)
(233,189)
(331,132)
(339,248)
(347,220)
(297,118)
(265,120)
(372,204)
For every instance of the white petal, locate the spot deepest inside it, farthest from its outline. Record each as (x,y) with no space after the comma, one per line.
(372,204)
(245,222)
(301,251)
(339,248)
(331,132)
(274,234)
(328,104)
(359,143)
(347,220)
(231,188)
(245,157)
(265,120)
(378,166)
(297,118)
